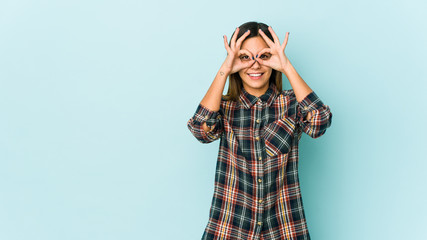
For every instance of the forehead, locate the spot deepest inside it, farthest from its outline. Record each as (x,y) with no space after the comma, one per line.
(254,44)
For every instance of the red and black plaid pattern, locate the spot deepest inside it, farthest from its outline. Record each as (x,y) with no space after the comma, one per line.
(257,192)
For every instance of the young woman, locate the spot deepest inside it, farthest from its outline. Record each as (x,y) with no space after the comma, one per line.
(257,193)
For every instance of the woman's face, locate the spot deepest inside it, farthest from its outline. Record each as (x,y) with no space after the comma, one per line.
(255,85)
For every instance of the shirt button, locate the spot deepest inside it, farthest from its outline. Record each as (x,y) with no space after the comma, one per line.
(305,108)
(257,138)
(258,121)
(259,158)
(259,180)
(259,223)
(260,201)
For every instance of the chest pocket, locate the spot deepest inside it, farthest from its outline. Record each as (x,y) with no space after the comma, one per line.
(278,136)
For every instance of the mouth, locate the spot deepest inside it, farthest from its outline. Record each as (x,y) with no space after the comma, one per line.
(255,76)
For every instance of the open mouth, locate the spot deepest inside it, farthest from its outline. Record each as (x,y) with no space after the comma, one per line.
(255,76)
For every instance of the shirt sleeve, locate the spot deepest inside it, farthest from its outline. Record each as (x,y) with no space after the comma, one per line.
(321,115)
(213,120)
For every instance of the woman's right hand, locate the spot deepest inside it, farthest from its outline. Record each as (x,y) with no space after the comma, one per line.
(237,59)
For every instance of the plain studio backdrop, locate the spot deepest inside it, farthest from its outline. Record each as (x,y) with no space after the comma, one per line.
(95,97)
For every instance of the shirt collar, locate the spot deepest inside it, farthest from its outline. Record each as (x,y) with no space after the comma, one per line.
(248,100)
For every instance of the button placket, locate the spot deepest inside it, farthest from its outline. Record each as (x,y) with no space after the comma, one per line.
(257,126)
(258,129)
(258,154)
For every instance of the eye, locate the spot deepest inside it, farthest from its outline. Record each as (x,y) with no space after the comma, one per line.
(244,57)
(265,56)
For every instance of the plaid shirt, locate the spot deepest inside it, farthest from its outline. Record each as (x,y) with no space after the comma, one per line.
(257,192)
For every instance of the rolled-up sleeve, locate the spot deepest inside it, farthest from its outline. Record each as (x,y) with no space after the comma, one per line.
(321,115)
(213,120)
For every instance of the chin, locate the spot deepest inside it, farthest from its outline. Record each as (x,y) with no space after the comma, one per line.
(255,86)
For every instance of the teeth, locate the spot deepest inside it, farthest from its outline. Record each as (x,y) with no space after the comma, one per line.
(255,75)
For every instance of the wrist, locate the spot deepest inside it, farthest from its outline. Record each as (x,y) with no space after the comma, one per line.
(287,67)
(224,71)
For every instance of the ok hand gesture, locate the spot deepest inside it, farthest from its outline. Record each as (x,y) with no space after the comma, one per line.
(277,59)
(234,63)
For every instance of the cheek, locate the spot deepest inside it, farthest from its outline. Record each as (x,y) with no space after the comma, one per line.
(268,73)
(242,74)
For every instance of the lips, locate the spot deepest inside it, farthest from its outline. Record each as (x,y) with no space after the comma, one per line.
(255,76)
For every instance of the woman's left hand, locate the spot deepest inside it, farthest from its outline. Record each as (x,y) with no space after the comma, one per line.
(277,58)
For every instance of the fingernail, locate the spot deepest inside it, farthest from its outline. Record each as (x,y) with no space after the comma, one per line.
(253,58)
(247,30)
(256,55)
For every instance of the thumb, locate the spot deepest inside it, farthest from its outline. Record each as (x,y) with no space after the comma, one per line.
(262,62)
(250,63)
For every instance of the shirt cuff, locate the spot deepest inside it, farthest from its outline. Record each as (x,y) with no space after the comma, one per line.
(310,102)
(204,114)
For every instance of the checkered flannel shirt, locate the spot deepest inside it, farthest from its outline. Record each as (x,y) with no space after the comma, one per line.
(257,192)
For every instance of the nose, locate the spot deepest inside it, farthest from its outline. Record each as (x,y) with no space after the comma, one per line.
(256,65)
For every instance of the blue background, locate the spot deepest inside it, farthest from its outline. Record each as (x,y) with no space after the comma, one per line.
(95,97)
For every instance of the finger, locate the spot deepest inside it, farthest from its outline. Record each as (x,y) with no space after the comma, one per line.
(285,42)
(226,44)
(244,51)
(260,61)
(244,64)
(240,40)
(276,39)
(264,51)
(266,39)
(263,62)
(249,64)
(233,39)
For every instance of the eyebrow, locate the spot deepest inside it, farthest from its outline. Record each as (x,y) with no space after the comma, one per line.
(250,51)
